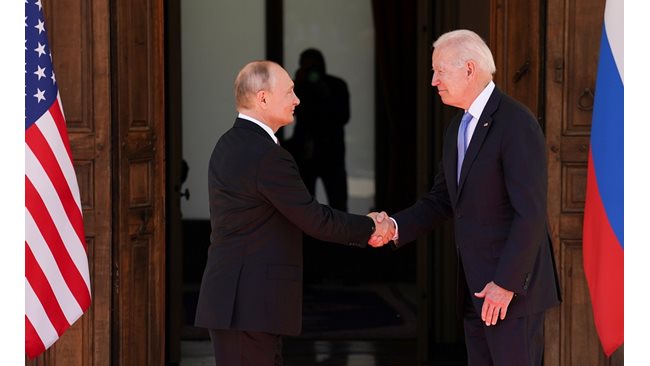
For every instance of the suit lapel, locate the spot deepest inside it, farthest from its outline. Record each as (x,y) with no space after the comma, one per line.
(480,132)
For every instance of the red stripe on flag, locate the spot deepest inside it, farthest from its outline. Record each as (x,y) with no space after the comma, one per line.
(50,233)
(44,292)
(57,115)
(33,344)
(603,264)
(41,149)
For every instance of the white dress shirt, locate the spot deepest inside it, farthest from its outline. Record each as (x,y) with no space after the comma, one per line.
(261,124)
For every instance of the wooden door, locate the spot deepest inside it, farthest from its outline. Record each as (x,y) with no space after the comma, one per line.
(108,58)
(79,40)
(515,40)
(573,31)
(139,181)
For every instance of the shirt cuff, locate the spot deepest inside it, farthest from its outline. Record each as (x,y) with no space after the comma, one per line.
(396,236)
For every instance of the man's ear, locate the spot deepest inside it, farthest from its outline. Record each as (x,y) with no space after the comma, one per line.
(470,68)
(260,98)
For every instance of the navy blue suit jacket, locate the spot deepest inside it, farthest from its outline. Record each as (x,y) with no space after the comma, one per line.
(259,208)
(498,207)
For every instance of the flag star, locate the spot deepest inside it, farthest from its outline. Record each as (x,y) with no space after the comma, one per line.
(25,22)
(40,26)
(40,95)
(40,72)
(40,49)
(53,77)
(39,4)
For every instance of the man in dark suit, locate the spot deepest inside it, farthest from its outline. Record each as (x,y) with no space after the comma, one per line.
(492,182)
(251,292)
(318,143)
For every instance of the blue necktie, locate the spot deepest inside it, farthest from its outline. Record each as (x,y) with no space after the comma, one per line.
(462,143)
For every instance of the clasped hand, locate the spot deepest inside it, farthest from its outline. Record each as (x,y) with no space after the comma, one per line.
(384,229)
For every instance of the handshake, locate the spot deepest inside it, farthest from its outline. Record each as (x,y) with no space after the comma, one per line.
(384,229)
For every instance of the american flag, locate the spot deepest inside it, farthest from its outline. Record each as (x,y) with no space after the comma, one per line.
(57,281)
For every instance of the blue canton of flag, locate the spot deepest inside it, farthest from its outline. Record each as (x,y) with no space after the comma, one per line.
(40,81)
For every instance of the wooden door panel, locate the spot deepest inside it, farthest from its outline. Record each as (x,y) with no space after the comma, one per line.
(584,19)
(580,346)
(139,296)
(515,42)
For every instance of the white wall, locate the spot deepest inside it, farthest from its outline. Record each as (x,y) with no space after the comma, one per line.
(219,37)
(344,32)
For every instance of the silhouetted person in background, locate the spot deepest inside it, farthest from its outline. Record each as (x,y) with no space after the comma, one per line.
(318,144)
(318,147)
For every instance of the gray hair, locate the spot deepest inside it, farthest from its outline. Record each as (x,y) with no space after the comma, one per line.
(253,77)
(468,46)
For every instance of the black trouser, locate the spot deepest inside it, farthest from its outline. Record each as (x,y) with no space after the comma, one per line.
(512,341)
(240,348)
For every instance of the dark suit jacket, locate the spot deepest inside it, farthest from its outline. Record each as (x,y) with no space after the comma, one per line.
(498,207)
(259,208)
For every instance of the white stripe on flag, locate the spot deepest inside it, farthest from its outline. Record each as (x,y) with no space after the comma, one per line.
(47,263)
(614,27)
(48,128)
(36,174)
(36,314)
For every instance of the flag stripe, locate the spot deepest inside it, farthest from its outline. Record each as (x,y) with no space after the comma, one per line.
(54,169)
(33,344)
(41,287)
(607,138)
(48,229)
(46,263)
(603,229)
(52,125)
(603,265)
(614,11)
(55,209)
(36,314)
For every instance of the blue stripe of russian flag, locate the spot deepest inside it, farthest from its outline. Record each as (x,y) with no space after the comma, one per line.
(607,137)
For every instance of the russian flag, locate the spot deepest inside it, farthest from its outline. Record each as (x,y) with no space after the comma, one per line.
(603,219)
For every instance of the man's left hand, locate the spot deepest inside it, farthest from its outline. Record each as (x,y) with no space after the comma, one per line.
(496,301)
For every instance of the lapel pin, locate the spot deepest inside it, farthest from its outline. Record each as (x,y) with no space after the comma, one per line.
(485,125)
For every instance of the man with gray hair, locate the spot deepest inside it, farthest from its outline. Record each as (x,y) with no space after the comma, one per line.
(251,291)
(492,182)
